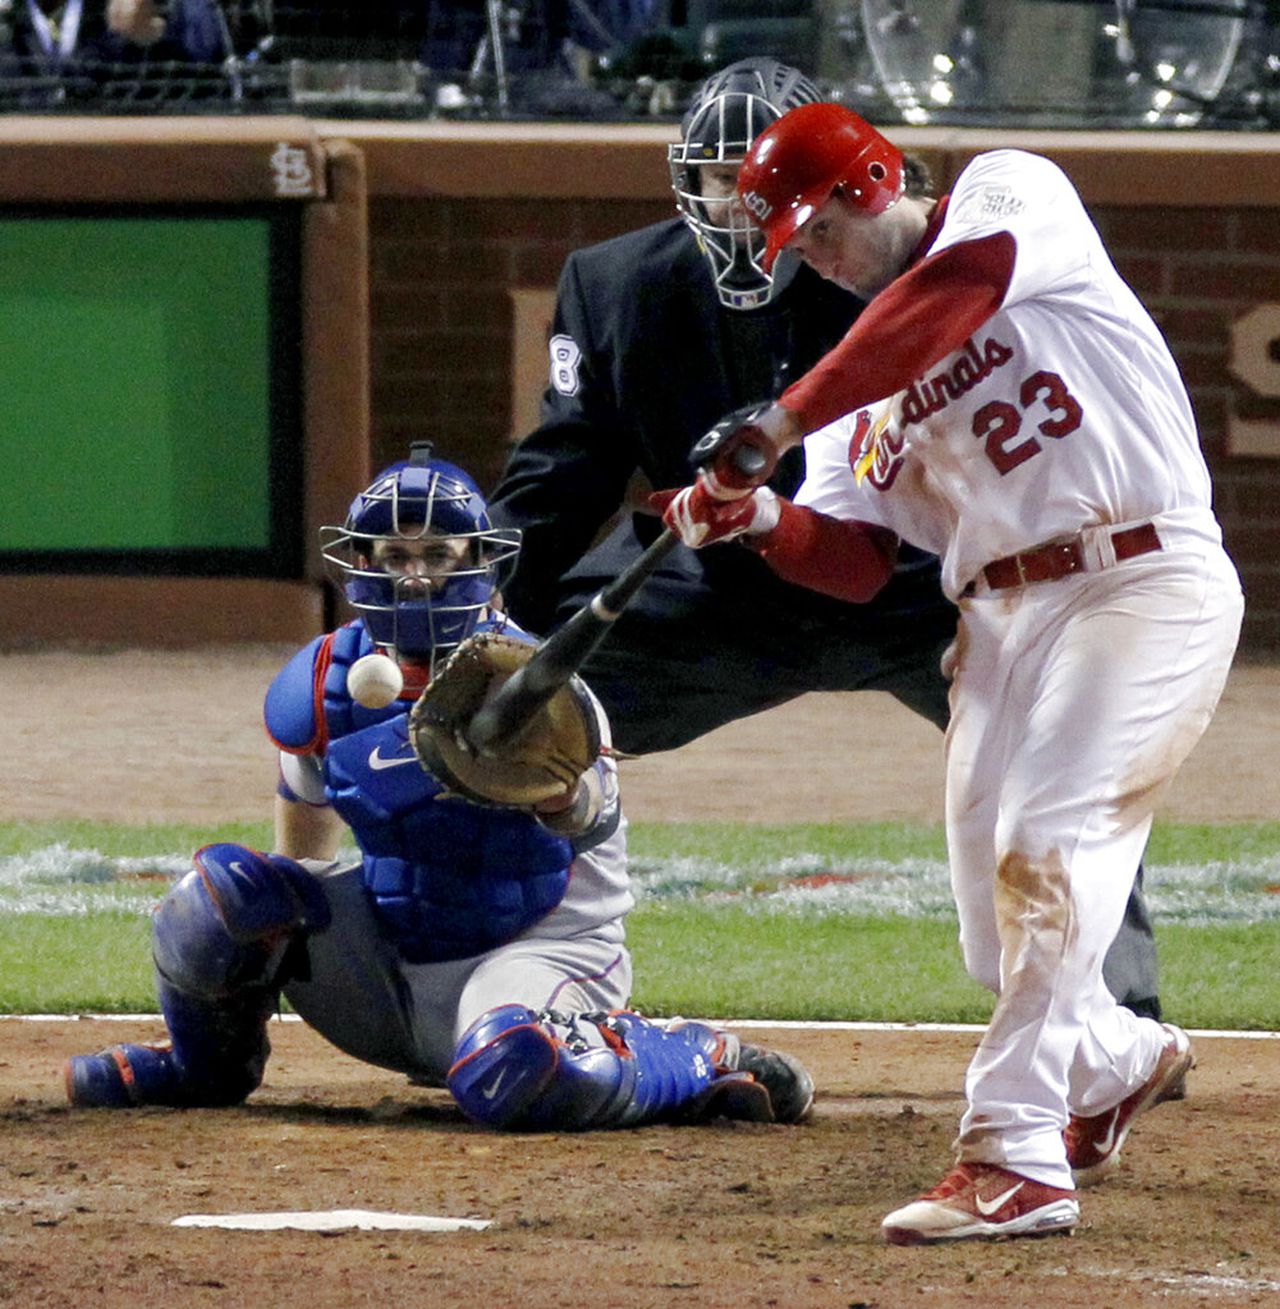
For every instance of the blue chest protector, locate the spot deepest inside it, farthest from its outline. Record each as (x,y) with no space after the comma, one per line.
(450,879)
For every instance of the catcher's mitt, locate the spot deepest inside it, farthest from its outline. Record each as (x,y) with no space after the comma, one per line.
(542,760)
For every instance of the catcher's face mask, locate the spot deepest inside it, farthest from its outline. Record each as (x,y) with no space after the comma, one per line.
(418,557)
(728,113)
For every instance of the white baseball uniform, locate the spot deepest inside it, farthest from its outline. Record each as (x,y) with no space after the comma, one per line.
(1075,698)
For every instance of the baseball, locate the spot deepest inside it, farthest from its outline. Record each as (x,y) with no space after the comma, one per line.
(374,681)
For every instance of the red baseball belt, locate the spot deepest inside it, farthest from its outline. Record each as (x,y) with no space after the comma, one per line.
(1062,558)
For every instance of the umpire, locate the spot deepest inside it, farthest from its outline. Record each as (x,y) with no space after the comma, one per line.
(657,334)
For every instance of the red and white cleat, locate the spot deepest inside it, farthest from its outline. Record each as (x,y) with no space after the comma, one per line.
(1093,1144)
(982,1202)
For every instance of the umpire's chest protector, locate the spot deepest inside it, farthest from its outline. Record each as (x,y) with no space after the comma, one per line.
(450,879)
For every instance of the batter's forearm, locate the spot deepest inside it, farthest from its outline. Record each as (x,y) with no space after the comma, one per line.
(847,560)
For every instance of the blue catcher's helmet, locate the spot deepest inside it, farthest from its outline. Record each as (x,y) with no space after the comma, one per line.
(418,557)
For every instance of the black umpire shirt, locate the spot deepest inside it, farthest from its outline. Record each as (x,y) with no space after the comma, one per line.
(645,360)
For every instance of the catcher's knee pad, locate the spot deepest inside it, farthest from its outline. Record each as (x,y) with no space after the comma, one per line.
(676,1065)
(519,1069)
(260,895)
(220,1046)
(514,1069)
(227,922)
(220,1070)
(219,940)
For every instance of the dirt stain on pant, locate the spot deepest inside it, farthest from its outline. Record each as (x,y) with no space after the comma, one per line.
(1037,925)
(1035,920)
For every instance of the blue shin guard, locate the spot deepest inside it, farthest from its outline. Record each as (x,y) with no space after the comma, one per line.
(517,1069)
(219,941)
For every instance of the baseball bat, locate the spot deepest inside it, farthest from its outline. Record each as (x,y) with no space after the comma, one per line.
(557,658)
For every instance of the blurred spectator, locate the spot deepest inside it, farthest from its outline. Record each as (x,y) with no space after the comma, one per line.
(63,51)
(366,29)
(200,29)
(135,22)
(547,52)
(536,34)
(458,35)
(53,35)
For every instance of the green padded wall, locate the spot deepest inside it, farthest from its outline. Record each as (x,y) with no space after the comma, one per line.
(135,383)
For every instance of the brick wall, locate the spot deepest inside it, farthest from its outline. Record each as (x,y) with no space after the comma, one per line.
(442,269)
(441,273)
(1198,271)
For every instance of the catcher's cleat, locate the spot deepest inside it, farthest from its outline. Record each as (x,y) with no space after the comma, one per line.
(1093,1144)
(121,1077)
(752,1084)
(785,1078)
(982,1202)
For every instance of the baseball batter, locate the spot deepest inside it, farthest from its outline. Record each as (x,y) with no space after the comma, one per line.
(1006,402)
(635,379)
(472,946)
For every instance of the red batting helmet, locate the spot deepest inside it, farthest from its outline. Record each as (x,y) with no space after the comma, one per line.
(795,166)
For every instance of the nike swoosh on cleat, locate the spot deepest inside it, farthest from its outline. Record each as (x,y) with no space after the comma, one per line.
(378,762)
(1104,1146)
(987,1207)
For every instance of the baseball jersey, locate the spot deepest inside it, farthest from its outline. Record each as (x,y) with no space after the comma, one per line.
(1063,410)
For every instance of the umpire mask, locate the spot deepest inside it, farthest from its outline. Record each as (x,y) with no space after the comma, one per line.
(729,111)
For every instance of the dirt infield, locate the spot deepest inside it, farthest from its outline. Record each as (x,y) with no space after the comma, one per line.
(721,1215)
(177,737)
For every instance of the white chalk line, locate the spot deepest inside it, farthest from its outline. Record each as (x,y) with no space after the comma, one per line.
(780,1024)
(333,1220)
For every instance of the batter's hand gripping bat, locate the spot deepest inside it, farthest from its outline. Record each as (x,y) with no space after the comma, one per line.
(750,460)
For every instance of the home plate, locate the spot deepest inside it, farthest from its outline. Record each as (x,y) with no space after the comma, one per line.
(333,1220)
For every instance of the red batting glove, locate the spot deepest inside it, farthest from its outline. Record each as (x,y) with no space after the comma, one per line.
(699,518)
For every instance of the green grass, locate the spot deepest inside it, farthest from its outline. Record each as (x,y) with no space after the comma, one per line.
(744,845)
(726,842)
(1197,843)
(122,841)
(709,937)
(1223,978)
(735,963)
(100,963)
(1182,843)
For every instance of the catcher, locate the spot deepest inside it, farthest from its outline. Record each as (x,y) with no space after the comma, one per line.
(478,940)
